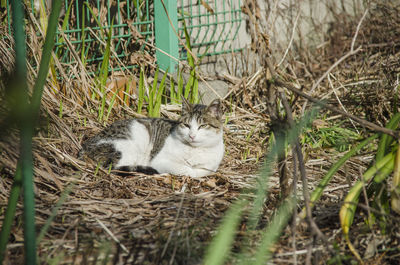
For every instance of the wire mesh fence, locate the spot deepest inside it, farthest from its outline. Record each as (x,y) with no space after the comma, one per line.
(84,26)
(212,25)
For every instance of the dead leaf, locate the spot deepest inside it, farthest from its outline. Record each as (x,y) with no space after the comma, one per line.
(211,183)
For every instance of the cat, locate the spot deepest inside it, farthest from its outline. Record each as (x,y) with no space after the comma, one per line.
(190,146)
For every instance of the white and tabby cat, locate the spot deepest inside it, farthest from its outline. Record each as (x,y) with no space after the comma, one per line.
(191,146)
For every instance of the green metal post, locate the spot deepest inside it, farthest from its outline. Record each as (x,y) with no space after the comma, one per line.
(166,39)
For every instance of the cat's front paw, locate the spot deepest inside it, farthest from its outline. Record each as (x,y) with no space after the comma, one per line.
(202,172)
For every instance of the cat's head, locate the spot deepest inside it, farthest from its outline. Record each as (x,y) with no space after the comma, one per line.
(201,125)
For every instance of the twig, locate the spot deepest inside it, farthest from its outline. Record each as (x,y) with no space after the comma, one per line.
(358,29)
(313,226)
(294,220)
(173,229)
(309,253)
(362,122)
(208,85)
(344,57)
(340,102)
(290,42)
(112,235)
(297,252)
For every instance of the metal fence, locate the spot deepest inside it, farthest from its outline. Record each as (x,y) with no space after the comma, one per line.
(212,27)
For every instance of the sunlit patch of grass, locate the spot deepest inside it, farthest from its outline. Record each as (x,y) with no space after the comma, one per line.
(330,136)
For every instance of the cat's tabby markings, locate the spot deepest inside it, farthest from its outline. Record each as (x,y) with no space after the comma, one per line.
(191,146)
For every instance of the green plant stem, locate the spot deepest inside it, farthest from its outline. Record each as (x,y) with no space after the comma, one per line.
(386,140)
(159,94)
(26,116)
(141,92)
(10,212)
(273,231)
(348,209)
(45,60)
(19,37)
(325,180)
(103,75)
(28,192)
(292,135)
(17,93)
(260,191)
(27,134)
(222,242)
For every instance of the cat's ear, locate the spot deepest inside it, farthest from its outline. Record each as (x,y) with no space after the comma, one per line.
(215,108)
(186,106)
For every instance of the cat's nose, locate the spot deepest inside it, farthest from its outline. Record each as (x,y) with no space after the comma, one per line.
(191,136)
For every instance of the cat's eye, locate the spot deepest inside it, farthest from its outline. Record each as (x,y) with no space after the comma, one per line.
(186,125)
(203,126)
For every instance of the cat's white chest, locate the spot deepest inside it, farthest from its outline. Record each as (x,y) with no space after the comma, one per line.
(181,159)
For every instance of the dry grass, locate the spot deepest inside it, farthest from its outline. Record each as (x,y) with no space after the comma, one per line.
(164,219)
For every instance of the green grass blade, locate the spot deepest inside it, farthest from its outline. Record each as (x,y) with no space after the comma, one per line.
(261,189)
(26,141)
(16,92)
(348,209)
(65,25)
(112,102)
(385,171)
(20,87)
(195,91)
(193,83)
(42,16)
(395,193)
(396,173)
(350,202)
(27,116)
(141,92)
(28,193)
(274,229)
(386,140)
(189,86)
(46,56)
(152,94)
(10,212)
(189,46)
(103,75)
(159,95)
(180,87)
(172,91)
(66,17)
(60,110)
(100,25)
(220,246)
(83,37)
(316,194)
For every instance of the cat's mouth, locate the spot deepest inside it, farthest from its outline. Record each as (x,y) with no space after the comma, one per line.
(192,142)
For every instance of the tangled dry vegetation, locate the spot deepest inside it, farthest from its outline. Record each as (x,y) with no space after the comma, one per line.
(164,219)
